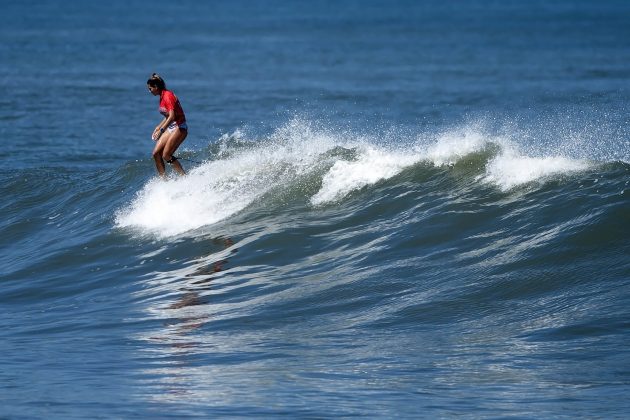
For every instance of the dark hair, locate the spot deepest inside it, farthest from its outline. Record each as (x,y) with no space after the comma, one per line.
(157,81)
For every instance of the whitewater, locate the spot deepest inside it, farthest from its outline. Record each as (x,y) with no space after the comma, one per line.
(323,167)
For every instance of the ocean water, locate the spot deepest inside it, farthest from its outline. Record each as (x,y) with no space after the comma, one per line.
(414,209)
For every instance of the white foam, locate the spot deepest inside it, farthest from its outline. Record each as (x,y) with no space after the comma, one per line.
(453,146)
(168,208)
(242,173)
(510,169)
(219,189)
(373,165)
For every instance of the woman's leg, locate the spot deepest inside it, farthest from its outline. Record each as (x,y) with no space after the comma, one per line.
(172,142)
(157,154)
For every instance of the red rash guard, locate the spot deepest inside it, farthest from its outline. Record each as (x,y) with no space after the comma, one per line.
(168,102)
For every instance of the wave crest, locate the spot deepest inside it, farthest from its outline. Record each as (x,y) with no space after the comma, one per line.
(240,172)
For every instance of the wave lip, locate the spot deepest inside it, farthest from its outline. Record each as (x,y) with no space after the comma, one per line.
(452,147)
(372,166)
(509,170)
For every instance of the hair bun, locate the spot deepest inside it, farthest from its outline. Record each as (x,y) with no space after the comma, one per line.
(156,80)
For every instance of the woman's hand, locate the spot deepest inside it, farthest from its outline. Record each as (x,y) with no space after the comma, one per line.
(156,134)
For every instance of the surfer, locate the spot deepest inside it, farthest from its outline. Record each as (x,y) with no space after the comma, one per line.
(171,131)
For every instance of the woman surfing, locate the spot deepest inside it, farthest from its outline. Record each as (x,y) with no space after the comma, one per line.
(171,131)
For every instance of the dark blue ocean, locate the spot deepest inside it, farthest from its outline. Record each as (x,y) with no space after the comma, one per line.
(393,209)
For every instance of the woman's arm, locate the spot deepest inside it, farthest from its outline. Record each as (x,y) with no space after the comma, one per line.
(163,125)
(169,119)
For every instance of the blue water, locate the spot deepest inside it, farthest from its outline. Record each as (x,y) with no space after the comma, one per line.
(412,209)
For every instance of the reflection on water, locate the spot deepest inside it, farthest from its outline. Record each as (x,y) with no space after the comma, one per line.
(193,289)
(178,344)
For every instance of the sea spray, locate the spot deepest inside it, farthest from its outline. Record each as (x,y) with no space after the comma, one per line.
(241,171)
